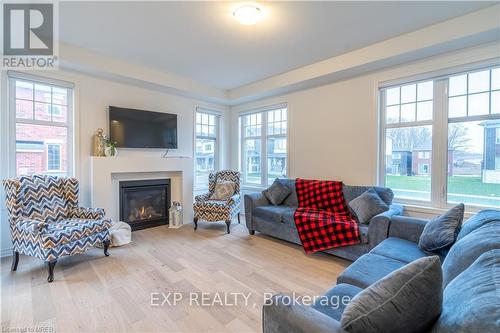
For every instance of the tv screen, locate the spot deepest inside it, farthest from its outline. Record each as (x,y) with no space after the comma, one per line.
(132,128)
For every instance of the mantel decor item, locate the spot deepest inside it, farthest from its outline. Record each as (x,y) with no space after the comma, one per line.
(175,215)
(110,149)
(99,144)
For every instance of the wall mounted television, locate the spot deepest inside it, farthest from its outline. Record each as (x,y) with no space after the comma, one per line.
(132,128)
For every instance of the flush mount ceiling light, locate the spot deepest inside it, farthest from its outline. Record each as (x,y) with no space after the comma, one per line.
(248,14)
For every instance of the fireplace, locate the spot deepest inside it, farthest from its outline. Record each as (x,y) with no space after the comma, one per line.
(145,203)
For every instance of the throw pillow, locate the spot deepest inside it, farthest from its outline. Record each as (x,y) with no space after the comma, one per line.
(442,231)
(277,193)
(407,300)
(367,205)
(223,190)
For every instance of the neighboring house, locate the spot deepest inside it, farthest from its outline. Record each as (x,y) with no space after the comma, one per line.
(491,169)
(205,151)
(422,160)
(400,162)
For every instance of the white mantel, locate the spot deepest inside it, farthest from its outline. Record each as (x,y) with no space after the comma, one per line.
(106,172)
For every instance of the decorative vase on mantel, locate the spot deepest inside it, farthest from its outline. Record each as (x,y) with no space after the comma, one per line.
(110,151)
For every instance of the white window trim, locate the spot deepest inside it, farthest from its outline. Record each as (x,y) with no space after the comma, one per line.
(439,155)
(263,141)
(12,76)
(60,156)
(217,146)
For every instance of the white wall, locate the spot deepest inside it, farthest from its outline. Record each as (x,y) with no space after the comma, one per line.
(92,98)
(333,129)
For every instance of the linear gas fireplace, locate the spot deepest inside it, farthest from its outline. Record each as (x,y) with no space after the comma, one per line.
(145,203)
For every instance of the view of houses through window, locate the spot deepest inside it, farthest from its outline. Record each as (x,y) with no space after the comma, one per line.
(264,146)
(472,148)
(206,147)
(42,123)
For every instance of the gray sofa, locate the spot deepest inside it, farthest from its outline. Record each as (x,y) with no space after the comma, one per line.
(277,221)
(470,280)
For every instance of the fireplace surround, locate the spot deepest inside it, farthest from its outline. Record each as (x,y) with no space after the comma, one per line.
(144,203)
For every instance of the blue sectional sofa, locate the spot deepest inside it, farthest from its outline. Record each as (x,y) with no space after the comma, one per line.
(278,222)
(471,275)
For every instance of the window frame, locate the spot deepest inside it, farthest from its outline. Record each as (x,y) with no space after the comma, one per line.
(263,137)
(439,124)
(12,77)
(216,139)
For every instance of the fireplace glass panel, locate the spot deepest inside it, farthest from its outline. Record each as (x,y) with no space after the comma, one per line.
(144,204)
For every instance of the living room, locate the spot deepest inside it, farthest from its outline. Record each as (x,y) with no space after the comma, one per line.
(250,166)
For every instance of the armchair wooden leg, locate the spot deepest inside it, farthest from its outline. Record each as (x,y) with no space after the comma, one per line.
(239,218)
(15,260)
(251,232)
(51,265)
(195,220)
(228,224)
(106,247)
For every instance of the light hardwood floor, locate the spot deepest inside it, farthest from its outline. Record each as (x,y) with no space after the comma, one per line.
(93,293)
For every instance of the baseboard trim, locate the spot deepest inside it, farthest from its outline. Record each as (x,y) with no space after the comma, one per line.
(6,252)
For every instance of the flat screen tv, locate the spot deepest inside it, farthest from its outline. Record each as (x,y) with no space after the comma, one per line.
(132,128)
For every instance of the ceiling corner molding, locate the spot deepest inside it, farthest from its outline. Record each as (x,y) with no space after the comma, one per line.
(465,31)
(73,58)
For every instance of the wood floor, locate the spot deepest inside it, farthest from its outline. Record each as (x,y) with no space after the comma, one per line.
(93,293)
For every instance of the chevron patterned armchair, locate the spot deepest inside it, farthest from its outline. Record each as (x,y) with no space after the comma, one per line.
(218,210)
(46,221)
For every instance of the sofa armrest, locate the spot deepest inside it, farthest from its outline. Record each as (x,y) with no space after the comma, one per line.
(378,227)
(279,316)
(87,213)
(252,201)
(405,227)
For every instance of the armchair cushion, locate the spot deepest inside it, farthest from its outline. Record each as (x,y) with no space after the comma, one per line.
(68,230)
(223,190)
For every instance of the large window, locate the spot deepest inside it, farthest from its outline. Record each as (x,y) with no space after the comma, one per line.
(207,129)
(264,146)
(42,114)
(441,140)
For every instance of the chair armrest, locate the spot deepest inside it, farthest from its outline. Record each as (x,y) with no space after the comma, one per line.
(87,213)
(290,317)
(32,226)
(202,197)
(235,199)
(252,201)
(378,227)
(405,227)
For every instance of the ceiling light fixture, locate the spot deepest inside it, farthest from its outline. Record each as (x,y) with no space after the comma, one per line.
(248,14)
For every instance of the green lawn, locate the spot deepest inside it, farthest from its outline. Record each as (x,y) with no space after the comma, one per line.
(456,184)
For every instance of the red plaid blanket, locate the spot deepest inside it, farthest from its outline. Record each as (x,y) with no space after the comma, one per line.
(323,220)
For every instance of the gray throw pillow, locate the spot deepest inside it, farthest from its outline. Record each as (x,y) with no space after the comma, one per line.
(407,300)
(277,193)
(441,232)
(367,205)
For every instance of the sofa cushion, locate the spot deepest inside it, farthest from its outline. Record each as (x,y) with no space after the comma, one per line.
(334,301)
(277,192)
(471,301)
(407,300)
(367,205)
(465,251)
(368,269)
(441,232)
(291,200)
(273,213)
(351,192)
(478,220)
(399,249)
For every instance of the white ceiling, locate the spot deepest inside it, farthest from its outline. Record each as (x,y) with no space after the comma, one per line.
(201,41)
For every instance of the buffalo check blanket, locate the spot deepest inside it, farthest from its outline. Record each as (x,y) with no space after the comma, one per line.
(323,220)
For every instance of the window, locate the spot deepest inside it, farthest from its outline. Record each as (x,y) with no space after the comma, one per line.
(264,146)
(42,112)
(442,170)
(207,129)
(53,157)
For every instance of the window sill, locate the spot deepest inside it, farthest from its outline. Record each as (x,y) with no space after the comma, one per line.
(417,210)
